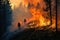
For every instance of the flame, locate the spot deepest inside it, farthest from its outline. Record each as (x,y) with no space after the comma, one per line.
(12,6)
(37,13)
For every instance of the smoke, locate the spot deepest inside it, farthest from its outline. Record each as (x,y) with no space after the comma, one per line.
(20,12)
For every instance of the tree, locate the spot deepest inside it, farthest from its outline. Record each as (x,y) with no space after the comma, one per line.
(5,15)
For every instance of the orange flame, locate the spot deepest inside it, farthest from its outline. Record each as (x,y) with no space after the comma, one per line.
(37,13)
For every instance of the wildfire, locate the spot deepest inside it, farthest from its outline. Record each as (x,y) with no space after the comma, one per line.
(36,8)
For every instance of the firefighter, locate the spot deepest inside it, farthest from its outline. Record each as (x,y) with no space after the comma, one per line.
(24,20)
(19,25)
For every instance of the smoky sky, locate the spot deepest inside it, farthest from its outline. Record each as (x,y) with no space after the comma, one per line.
(19,14)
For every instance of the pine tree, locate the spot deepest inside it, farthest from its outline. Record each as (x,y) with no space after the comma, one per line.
(8,12)
(5,15)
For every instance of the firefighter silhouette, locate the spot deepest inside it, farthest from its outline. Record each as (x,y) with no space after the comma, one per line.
(24,20)
(19,25)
